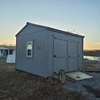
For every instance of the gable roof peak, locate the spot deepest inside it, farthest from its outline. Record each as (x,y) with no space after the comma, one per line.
(50,29)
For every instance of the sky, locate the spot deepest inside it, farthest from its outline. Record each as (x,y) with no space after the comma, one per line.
(78,16)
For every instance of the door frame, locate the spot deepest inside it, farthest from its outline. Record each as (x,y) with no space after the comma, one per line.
(77,59)
(53,52)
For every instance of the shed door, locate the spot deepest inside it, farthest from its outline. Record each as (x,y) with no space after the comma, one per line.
(73,55)
(59,54)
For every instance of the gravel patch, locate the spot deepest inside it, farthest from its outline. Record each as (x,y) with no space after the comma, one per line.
(89,88)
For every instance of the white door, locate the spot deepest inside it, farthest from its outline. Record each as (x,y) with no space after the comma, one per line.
(73,56)
(59,54)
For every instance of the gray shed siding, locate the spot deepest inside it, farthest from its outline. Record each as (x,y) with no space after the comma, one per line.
(41,62)
(67,38)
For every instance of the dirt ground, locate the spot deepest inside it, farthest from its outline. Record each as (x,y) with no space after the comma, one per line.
(4,67)
(17,85)
(23,86)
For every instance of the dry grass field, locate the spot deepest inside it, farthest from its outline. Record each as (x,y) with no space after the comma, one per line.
(4,67)
(17,85)
(92,66)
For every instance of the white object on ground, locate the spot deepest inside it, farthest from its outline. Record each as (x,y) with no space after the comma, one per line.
(78,75)
(10,59)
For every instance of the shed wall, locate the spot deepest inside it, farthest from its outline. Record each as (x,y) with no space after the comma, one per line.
(39,61)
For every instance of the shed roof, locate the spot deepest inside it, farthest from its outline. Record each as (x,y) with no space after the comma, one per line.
(50,29)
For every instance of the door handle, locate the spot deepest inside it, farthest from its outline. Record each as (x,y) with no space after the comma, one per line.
(54,55)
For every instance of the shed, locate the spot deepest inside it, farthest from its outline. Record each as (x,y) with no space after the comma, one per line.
(43,50)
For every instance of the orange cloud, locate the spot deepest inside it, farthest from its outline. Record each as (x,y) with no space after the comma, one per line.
(92,46)
(8,42)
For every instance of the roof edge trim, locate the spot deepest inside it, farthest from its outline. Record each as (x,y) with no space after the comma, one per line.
(48,28)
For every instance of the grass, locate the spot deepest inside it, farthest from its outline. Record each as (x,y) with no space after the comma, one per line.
(91,66)
(16,85)
(94,55)
(91,62)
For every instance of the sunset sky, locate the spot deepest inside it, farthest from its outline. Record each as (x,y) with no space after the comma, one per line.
(78,16)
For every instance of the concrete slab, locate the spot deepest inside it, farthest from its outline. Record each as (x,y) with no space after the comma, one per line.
(78,75)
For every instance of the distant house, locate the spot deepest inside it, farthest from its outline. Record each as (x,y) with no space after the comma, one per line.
(43,50)
(8,53)
(2,51)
